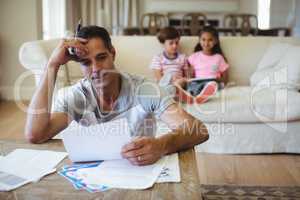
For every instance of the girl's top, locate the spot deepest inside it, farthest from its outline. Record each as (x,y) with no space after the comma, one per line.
(207,66)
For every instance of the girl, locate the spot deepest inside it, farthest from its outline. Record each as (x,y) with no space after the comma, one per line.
(169,66)
(209,67)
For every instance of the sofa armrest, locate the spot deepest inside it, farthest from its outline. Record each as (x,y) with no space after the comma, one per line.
(34,56)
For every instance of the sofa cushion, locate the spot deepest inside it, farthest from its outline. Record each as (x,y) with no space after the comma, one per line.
(282,72)
(248,104)
(290,63)
(273,55)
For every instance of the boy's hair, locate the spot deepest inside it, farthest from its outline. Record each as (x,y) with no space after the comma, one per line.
(167,33)
(89,32)
(217,48)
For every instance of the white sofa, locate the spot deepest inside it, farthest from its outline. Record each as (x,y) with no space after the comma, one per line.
(241,119)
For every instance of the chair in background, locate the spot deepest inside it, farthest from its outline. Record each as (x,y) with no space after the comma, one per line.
(241,23)
(193,23)
(155,21)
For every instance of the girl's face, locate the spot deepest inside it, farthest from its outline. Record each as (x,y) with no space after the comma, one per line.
(171,46)
(207,42)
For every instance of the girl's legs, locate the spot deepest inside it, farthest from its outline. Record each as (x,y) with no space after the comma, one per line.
(208,90)
(181,94)
(202,89)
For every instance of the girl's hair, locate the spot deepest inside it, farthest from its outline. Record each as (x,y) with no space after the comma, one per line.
(217,48)
(167,33)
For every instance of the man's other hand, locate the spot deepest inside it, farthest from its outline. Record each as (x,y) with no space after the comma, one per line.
(143,150)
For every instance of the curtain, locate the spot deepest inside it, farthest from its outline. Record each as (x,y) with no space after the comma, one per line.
(114,15)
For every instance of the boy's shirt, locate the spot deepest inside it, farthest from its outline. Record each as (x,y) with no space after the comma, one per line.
(174,67)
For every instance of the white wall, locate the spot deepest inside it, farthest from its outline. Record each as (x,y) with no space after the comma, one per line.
(281,13)
(19,23)
(280,16)
(244,6)
(297,28)
(248,6)
(214,9)
(189,5)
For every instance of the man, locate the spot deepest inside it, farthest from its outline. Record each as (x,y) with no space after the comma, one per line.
(106,94)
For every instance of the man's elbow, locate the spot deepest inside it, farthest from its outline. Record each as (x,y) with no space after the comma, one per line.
(204,135)
(33,137)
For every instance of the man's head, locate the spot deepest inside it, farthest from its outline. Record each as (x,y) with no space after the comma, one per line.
(99,61)
(89,32)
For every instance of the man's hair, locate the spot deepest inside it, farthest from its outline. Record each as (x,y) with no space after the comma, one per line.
(167,33)
(89,32)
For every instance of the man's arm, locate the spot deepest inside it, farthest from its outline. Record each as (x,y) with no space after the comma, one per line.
(42,125)
(186,132)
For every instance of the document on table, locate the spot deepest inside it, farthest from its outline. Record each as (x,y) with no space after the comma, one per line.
(97,142)
(26,165)
(122,174)
(171,171)
(101,176)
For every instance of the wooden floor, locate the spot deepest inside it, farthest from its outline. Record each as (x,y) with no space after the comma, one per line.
(12,120)
(252,170)
(264,170)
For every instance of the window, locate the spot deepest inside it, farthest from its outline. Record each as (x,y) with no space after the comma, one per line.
(54,18)
(264,14)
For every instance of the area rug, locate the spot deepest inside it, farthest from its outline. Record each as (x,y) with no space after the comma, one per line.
(235,192)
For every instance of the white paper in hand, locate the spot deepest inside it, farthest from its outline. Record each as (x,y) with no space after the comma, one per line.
(97,142)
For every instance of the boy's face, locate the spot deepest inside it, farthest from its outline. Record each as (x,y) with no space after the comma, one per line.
(171,46)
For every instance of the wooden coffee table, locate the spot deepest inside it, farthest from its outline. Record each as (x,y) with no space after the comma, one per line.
(56,187)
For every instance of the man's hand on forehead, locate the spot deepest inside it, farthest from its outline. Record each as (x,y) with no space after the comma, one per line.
(62,53)
(76,48)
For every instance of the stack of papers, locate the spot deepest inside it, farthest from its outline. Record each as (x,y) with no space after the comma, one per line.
(25,165)
(101,176)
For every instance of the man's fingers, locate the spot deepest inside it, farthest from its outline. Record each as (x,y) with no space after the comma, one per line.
(76,46)
(78,43)
(82,40)
(142,160)
(131,146)
(81,52)
(134,153)
(134,144)
(146,162)
(75,40)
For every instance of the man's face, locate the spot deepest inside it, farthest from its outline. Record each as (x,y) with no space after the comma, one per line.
(98,64)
